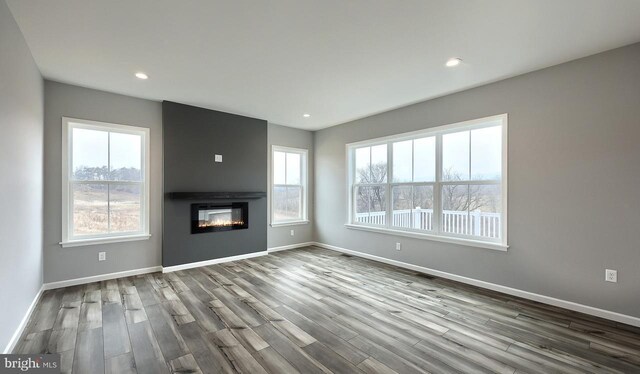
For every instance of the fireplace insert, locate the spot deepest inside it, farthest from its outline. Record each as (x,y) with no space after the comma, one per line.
(219,217)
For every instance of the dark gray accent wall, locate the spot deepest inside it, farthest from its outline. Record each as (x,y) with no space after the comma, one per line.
(574,176)
(192,136)
(21,181)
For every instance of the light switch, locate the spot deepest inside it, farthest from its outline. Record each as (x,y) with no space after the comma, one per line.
(218,158)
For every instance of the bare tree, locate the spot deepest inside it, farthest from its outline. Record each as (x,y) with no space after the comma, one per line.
(373,195)
(455,197)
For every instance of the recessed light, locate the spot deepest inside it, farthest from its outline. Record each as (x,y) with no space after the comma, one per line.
(453,62)
(306,115)
(141,75)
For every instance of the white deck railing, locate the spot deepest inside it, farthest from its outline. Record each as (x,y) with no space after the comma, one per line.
(456,222)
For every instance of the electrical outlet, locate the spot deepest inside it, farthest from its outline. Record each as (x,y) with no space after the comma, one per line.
(398,246)
(218,158)
(102,256)
(611,276)
(293,232)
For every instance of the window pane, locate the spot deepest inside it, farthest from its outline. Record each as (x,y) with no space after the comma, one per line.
(379,164)
(90,209)
(378,199)
(90,154)
(126,156)
(286,203)
(424,160)
(371,205)
(362,202)
(363,158)
(293,168)
(279,203)
(402,204)
(485,210)
(124,208)
(455,156)
(486,153)
(455,206)
(294,202)
(279,167)
(423,207)
(402,162)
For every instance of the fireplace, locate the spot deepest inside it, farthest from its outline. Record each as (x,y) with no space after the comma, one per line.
(219,217)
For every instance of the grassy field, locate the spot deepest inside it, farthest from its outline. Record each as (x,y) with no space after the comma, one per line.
(91,213)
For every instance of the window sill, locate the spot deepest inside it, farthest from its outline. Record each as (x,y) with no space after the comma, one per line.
(460,241)
(115,239)
(291,223)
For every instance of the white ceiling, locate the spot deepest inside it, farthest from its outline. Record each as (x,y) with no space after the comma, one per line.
(337,60)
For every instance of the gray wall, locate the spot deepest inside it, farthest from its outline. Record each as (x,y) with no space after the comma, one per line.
(192,137)
(21,103)
(77,102)
(574,176)
(296,138)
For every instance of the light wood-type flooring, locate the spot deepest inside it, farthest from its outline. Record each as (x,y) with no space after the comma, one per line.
(313,310)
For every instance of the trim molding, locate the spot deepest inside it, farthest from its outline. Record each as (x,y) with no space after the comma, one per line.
(570,305)
(101,277)
(290,246)
(169,269)
(23,324)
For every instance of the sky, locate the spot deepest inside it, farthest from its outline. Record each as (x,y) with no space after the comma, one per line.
(483,144)
(90,149)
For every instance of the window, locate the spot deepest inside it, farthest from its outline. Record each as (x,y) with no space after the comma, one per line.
(105,182)
(289,188)
(446,183)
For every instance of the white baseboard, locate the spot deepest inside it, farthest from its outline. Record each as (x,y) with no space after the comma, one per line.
(613,316)
(18,333)
(290,246)
(101,277)
(198,264)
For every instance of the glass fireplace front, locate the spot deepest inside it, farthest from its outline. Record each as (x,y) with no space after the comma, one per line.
(219,217)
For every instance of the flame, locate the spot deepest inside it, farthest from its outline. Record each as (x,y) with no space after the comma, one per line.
(220,223)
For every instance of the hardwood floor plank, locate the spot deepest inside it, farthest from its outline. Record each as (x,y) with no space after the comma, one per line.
(46,312)
(90,310)
(122,364)
(184,364)
(146,351)
(372,366)
(340,346)
(273,362)
(166,332)
(89,351)
(68,315)
(239,357)
(62,340)
(204,316)
(290,351)
(35,342)
(178,311)
(330,359)
(114,330)
(209,357)
(147,293)
(133,308)
(66,361)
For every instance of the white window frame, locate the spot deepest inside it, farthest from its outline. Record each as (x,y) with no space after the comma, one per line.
(68,239)
(435,234)
(304,167)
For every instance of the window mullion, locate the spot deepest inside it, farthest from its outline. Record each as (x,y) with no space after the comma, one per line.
(437,188)
(108,183)
(388,197)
